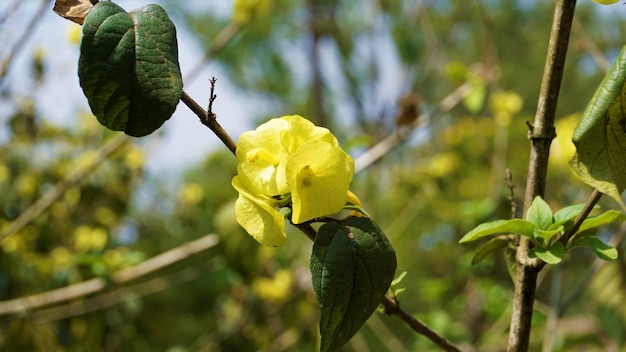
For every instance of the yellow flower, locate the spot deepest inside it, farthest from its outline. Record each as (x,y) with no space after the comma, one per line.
(288,159)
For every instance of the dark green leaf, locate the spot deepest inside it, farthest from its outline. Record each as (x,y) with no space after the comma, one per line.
(352,265)
(599,248)
(539,213)
(600,137)
(128,67)
(552,255)
(519,226)
(489,247)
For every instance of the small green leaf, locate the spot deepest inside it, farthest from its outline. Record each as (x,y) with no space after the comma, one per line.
(518,226)
(128,67)
(552,255)
(610,216)
(600,137)
(398,279)
(599,248)
(568,213)
(489,247)
(352,265)
(540,214)
(546,235)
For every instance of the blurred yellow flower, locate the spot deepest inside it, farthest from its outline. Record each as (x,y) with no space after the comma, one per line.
(190,194)
(276,289)
(244,11)
(133,158)
(74,33)
(89,239)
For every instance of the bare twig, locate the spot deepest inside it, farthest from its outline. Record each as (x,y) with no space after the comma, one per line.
(29,30)
(113,298)
(388,143)
(29,303)
(219,42)
(209,121)
(511,186)
(392,307)
(60,187)
(541,134)
(584,213)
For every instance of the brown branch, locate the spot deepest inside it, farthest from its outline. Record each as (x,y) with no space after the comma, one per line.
(392,307)
(158,262)
(219,42)
(541,134)
(60,187)
(388,143)
(113,298)
(210,121)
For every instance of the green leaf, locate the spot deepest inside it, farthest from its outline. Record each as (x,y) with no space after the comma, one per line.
(352,265)
(128,67)
(518,226)
(610,216)
(599,248)
(546,235)
(568,213)
(489,247)
(552,255)
(540,214)
(600,137)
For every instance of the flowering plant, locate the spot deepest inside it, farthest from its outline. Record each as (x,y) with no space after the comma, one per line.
(289,167)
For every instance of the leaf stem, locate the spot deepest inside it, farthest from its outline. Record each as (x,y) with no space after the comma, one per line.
(541,134)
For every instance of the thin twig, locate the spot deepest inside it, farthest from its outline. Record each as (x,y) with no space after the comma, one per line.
(113,298)
(219,42)
(60,187)
(511,186)
(158,262)
(541,134)
(209,121)
(584,213)
(388,143)
(392,307)
(212,97)
(23,40)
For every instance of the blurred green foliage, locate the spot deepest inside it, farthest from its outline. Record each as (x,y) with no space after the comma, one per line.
(345,66)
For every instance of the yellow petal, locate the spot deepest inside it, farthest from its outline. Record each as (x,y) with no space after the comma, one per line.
(319,177)
(261,156)
(257,215)
(302,130)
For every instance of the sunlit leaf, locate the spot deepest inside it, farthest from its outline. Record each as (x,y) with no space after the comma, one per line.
(610,216)
(599,248)
(539,213)
(552,255)
(518,226)
(490,247)
(600,137)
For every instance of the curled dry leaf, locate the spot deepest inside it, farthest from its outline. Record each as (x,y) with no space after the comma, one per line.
(74,10)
